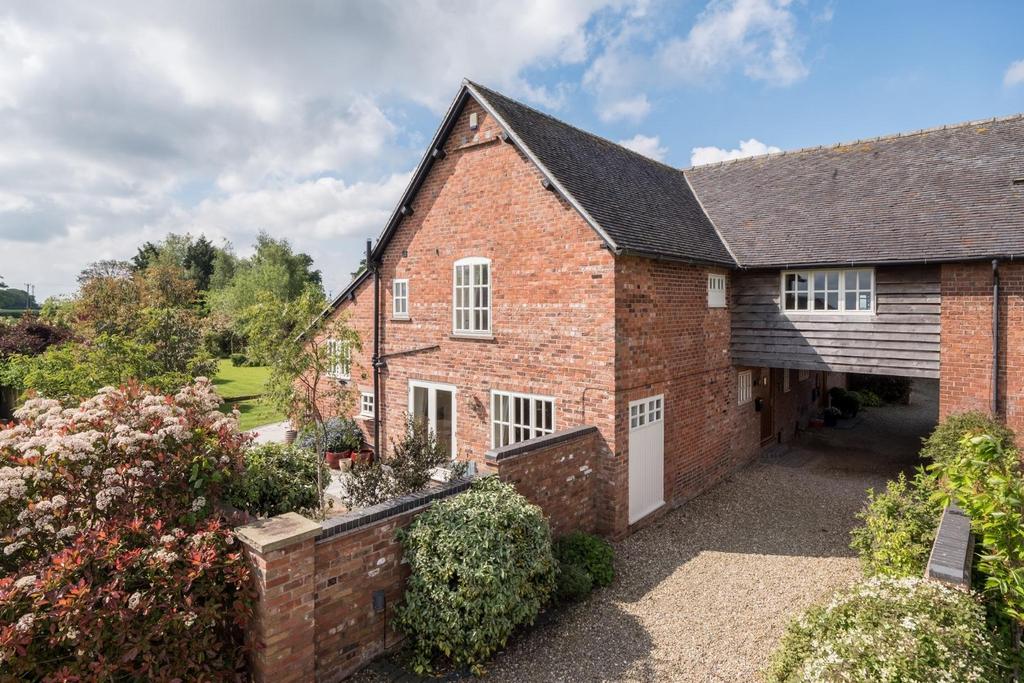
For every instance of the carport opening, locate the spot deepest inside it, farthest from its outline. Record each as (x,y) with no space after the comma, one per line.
(879,439)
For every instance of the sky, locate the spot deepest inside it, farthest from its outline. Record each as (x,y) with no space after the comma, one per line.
(123,121)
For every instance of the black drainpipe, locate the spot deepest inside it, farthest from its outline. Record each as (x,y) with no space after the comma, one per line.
(375,360)
(995,337)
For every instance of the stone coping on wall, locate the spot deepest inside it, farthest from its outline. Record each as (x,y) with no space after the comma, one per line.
(953,549)
(537,443)
(357,519)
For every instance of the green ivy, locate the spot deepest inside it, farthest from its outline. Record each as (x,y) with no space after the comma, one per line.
(481,566)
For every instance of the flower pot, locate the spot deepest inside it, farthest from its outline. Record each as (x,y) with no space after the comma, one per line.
(365,455)
(817,423)
(290,436)
(333,458)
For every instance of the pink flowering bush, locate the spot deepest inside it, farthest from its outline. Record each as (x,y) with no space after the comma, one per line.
(113,563)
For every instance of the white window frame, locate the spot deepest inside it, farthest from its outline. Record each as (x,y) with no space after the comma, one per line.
(646,411)
(471,289)
(400,312)
(366,400)
(810,274)
(785,380)
(432,388)
(339,364)
(512,425)
(745,387)
(716,291)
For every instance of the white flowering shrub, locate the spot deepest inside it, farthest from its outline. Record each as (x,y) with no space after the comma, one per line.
(113,565)
(889,629)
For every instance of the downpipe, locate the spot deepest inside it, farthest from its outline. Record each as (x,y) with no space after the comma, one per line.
(995,338)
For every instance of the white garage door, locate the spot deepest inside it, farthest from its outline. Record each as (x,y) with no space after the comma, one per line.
(646,457)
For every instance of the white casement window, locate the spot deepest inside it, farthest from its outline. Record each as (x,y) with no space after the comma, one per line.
(339,359)
(645,412)
(366,404)
(785,381)
(400,299)
(518,417)
(745,390)
(803,375)
(471,297)
(829,291)
(716,291)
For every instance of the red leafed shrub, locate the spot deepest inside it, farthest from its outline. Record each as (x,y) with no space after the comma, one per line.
(114,566)
(30,336)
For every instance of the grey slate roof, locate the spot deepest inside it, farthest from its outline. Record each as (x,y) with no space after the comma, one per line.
(941,194)
(644,206)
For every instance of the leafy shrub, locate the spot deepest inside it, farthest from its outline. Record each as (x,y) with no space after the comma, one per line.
(481,566)
(870,399)
(847,402)
(946,440)
(572,582)
(279,478)
(580,553)
(985,479)
(408,469)
(888,388)
(887,629)
(239,359)
(112,567)
(338,435)
(899,528)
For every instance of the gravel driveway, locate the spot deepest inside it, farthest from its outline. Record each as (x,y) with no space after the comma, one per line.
(705,594)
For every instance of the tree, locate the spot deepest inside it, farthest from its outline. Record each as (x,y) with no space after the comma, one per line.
(200,256)
(302,360)
(146,254)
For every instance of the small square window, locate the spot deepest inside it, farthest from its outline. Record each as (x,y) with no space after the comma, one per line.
(366,404)
(339,359)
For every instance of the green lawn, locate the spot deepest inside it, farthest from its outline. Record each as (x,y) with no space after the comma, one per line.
(234,381)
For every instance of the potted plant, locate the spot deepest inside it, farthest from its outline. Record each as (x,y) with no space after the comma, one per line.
(342,438)
(831,416)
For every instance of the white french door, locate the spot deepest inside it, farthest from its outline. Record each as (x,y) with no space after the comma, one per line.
(646,456)
(434,404)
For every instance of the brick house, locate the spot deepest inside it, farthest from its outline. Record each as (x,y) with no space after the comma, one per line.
(535,278)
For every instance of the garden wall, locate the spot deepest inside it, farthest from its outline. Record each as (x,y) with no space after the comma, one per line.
(556,473)
(327,590)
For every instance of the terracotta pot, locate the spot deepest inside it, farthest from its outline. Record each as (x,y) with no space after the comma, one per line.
(333,459)
(817,423)
(365,455)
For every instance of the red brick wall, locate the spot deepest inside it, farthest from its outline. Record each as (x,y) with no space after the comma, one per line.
(349,568)
(552,289)
(559,478)
(966,337)
(671,343)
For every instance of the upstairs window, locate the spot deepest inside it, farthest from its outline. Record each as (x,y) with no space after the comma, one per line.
(339,359)
(471,297)
(716,291)
(828,291)
(518,417)
(400,299)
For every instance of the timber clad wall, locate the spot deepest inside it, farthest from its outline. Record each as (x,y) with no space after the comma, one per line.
(901,338)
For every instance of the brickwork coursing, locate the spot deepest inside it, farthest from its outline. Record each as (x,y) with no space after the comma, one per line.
(560,479)
(966,355)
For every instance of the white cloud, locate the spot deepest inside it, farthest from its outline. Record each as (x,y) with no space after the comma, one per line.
(124,120)
(1014,74)
(626,109)
(758,36)
(747,148)
(649,146)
